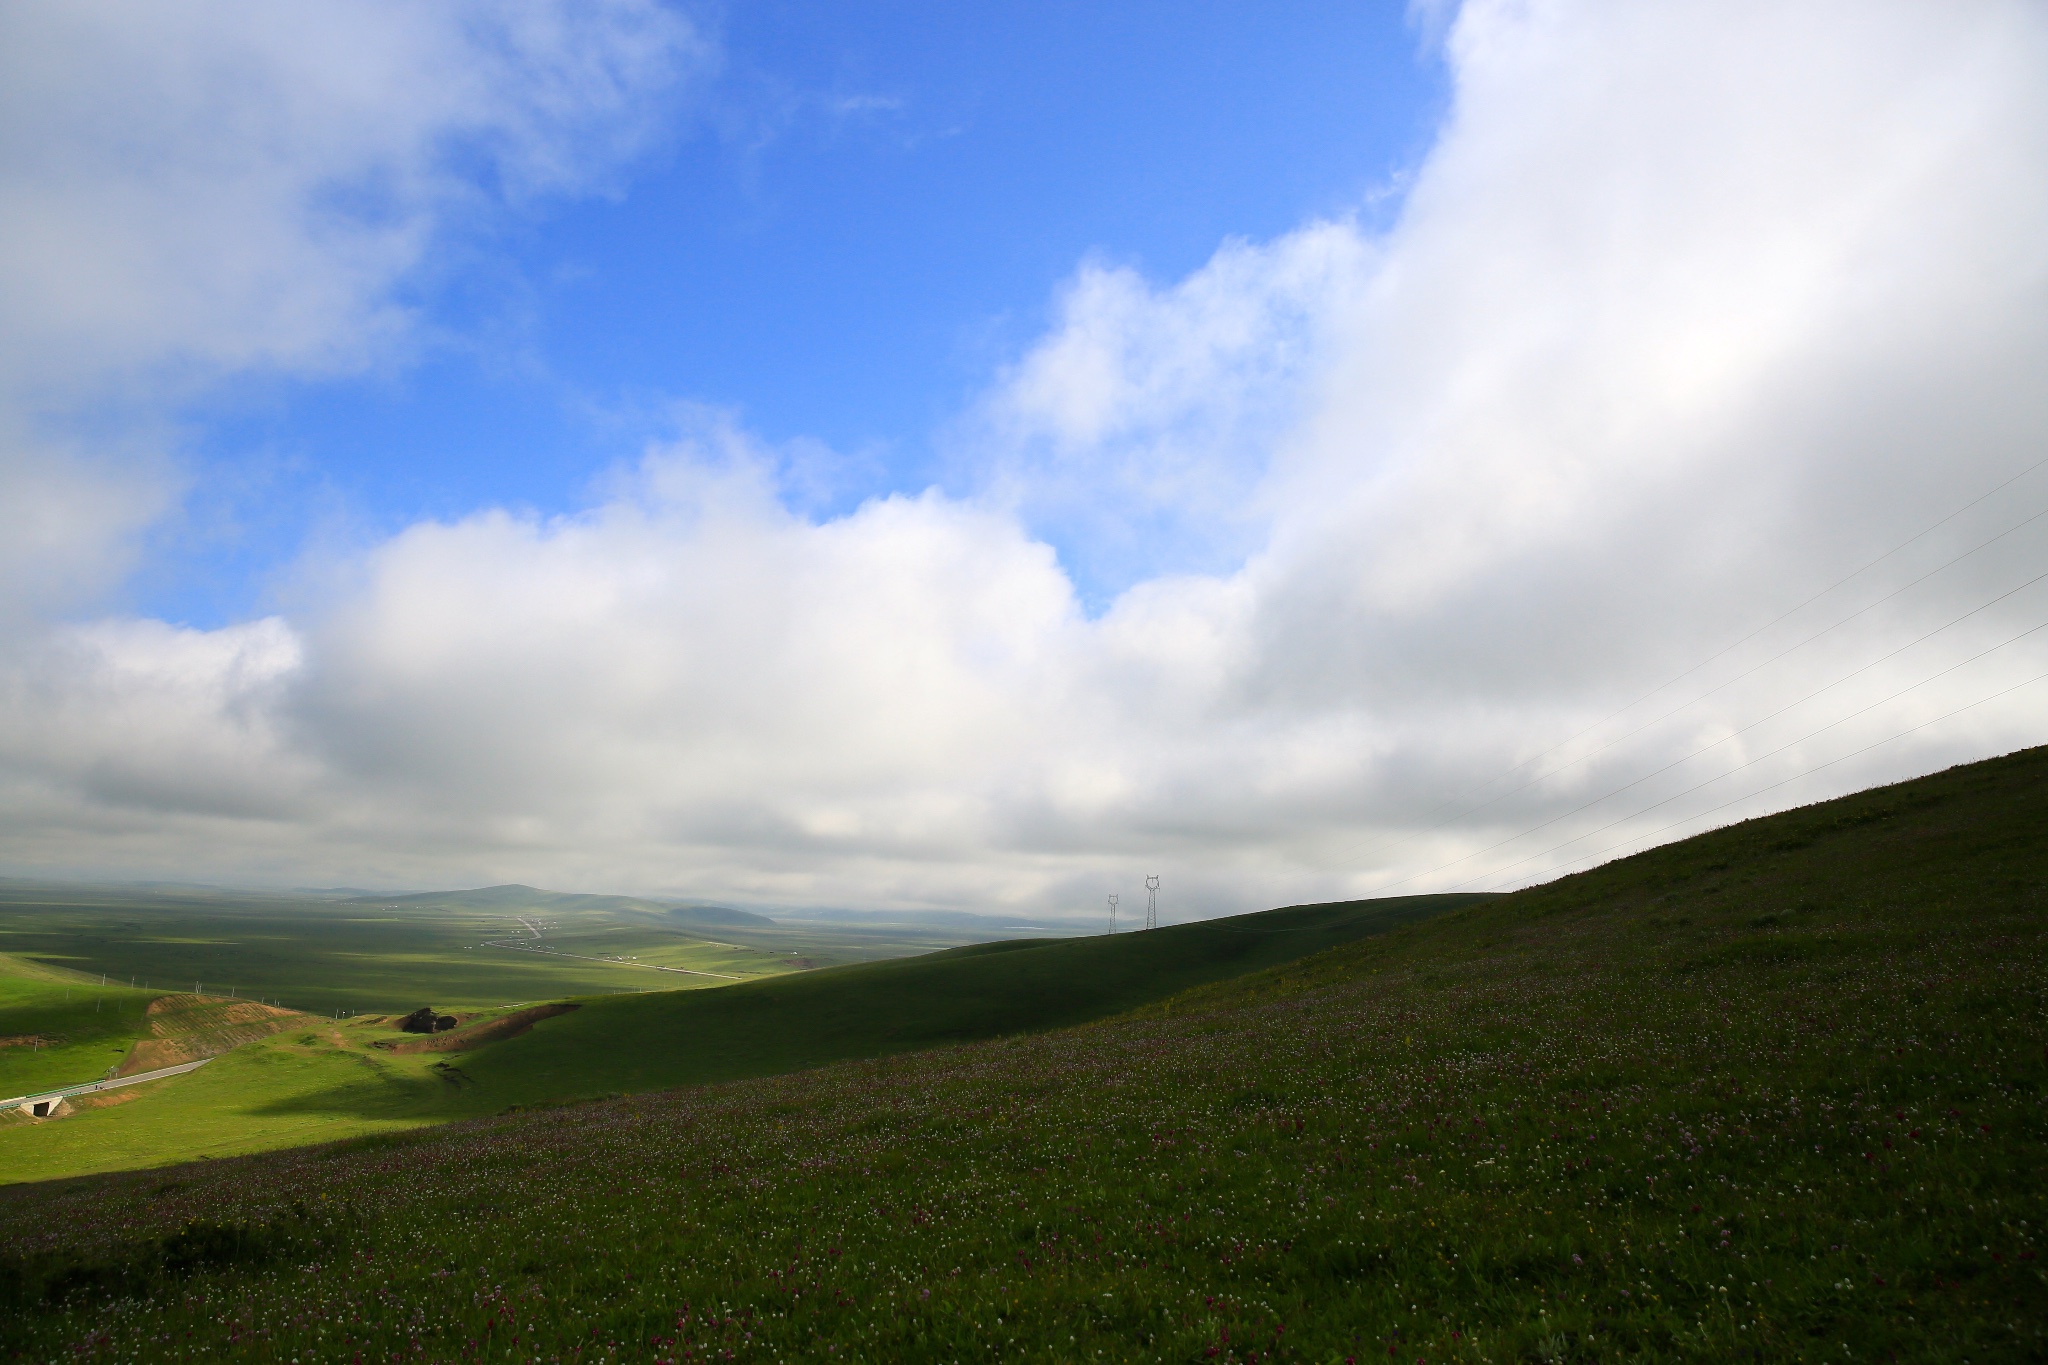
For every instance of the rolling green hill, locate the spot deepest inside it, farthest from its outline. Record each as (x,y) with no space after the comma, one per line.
(338,1080)
(59,1027)
(646,1042)
(1778,1092)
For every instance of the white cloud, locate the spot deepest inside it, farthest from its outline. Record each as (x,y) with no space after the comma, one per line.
(199,191)
(1691,309)
(1138,432)
(65,514)
(137,740)
(231,185)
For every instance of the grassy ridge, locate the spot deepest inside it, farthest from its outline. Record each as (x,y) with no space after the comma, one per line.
(328,1080)
(261,1095)
(645,1042)
(237,1103)
(59,1028)
(1774,1093)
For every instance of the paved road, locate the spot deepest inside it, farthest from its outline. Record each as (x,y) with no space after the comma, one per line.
(90,1086)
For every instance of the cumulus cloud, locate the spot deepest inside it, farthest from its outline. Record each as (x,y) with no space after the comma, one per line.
(234,184)
(1137,432)
(1691,311)
(194,192)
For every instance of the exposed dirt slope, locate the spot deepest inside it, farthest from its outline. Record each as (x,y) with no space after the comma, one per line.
(184,1028)
(476,1035)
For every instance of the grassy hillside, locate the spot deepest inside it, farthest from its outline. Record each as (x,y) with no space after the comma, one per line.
(341,1079)
(267,1088)
(1774,1093)
(645,1042)
(246,1100)
(59,1027)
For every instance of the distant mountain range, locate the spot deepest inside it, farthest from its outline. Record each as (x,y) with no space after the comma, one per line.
(941,919)
(518,897)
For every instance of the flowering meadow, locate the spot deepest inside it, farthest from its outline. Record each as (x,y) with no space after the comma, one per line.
(1775,1093)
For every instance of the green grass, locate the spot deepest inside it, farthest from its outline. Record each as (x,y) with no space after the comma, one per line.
(323,955)
(259,1096)
(279,1091)
(645,1042)
(237,1103)
(1775,1093)
(340,1085)
(78,1027)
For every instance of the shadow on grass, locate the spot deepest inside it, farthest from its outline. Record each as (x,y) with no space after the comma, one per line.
(655,1041)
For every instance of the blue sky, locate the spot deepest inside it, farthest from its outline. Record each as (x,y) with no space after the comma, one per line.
(843,234)
(978,457)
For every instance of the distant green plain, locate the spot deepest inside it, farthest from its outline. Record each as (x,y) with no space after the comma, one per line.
(327,1079)
(68,1011)
(322,956)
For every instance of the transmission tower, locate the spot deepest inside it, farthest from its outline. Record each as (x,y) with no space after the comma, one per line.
(1112,914)
(1152,901)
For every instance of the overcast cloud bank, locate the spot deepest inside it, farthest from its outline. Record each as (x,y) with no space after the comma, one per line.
(1691,310)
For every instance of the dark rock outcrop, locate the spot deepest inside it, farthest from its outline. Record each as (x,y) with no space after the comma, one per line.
(424,1020)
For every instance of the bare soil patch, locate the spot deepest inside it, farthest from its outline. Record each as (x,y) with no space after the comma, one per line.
(475,1035)
(107,1099)
(189,1027)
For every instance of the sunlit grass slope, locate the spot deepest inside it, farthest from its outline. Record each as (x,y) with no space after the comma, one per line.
(59,1027)
(238,1102)
(1775,1093)
(374,955)
(334,1081)
(272,1092)
(644,1042)
(323,956)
